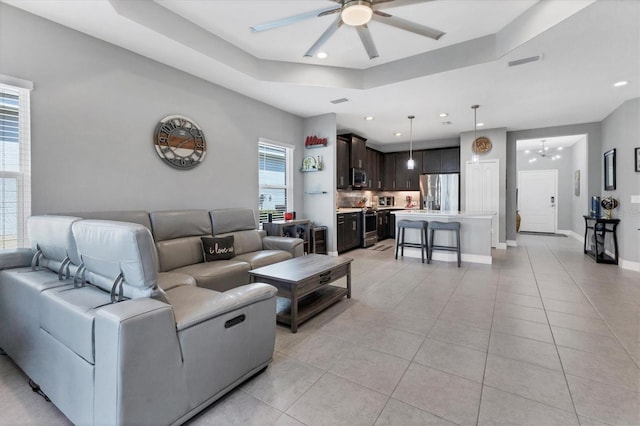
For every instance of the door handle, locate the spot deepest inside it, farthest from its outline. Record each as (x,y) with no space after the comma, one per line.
(553,201)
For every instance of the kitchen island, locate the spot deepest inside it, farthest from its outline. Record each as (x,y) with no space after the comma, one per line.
(475,234)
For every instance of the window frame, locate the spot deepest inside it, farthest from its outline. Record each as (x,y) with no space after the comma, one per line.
(288,186)
(23,176)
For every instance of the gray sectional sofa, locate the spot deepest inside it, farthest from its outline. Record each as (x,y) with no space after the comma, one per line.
(121,322)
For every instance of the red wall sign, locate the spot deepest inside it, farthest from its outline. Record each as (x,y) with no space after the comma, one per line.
(315,142)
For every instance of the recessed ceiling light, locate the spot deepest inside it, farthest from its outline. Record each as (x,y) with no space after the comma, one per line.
(397,134)
(620,83)
(368,118)
(526,151)
(480,124)
(444,114)
(560,148)
(322,55)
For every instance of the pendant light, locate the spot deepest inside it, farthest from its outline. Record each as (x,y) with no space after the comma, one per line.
(474,155)
(411,164)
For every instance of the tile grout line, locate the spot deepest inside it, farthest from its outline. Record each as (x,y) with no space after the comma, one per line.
(555,344)
(486,359)
(414,355)
(595,309)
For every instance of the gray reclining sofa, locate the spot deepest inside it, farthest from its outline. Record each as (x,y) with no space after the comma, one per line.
(113,336)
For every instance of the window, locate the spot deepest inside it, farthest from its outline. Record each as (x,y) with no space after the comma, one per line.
(15,165)
(275,172)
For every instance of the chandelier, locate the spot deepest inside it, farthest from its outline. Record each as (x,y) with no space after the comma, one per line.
(543,153)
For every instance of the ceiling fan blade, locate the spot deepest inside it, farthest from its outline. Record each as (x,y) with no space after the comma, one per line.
(330,12)
(403,24)
(324,37)
(383,4)
(292,19)
(367,41)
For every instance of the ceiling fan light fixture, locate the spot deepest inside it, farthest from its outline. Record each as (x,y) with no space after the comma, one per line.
(356,12)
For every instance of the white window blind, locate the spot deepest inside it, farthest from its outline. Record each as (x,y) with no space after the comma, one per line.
(274,173)
(15,166)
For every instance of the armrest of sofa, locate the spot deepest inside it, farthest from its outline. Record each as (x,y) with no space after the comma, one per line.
(194,305)
(295,246)
(15,258)
(139,375)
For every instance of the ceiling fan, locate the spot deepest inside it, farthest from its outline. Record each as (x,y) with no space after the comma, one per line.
(357,13)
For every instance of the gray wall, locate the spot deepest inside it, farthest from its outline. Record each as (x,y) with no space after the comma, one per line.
(621,130)
(592,178)
(580,204)
(94,110)
(564,166)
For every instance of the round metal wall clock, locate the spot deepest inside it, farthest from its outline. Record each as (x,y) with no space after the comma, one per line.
(179,142)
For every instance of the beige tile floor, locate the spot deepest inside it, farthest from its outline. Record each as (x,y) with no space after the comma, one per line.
(544,336)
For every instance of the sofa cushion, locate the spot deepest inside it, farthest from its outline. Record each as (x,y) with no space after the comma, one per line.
(67,314)
(245,241)
(220,275)
(168,225)
(109,249)
(217,248)
(230,220)
(264,257)
(133,216)
(52,235)
(179,252)
(169,280)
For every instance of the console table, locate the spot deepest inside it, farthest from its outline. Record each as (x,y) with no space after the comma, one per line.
(595,231)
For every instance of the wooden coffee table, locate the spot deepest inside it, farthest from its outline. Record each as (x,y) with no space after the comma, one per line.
(303,285)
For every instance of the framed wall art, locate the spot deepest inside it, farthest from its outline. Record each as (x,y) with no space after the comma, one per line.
(637,157)
(610,170)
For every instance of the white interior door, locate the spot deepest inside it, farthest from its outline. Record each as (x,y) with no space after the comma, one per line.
(537,200)
(482,192)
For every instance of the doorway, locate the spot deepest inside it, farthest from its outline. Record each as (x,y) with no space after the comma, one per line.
(483,192)
(538,200)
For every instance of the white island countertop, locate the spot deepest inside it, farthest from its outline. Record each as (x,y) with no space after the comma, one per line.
(475,234)
(449,213)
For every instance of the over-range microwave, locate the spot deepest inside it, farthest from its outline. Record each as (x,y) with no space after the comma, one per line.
(358,178)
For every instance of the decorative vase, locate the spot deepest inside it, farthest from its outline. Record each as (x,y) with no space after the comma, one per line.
(518,220)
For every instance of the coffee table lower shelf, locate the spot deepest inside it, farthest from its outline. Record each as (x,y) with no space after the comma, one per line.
(310,304)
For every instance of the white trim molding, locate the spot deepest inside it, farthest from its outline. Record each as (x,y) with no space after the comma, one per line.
(628,264)
(512,243)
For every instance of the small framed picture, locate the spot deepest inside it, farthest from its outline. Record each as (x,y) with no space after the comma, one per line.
(637,156)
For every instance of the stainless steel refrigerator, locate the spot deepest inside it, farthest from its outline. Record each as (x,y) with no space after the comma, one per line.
(440,192)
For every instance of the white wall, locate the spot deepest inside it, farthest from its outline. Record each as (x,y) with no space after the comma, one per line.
(321,208)
(94,110)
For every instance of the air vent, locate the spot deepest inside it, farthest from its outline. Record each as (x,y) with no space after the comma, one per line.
(524,60)
(339,101)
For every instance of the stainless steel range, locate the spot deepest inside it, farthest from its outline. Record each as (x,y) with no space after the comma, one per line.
(369,227)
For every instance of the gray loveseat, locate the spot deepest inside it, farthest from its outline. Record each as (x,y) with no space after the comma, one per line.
(178,233)
(114,336)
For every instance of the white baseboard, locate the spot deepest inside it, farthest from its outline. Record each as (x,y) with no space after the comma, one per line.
(570,233)
(501,246)
(333,253)
(628,264)
(512,243)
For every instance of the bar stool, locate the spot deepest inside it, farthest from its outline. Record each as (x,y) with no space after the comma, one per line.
(422,225)
(444,226)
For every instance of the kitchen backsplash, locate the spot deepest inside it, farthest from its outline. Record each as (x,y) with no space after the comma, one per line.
(370,198)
